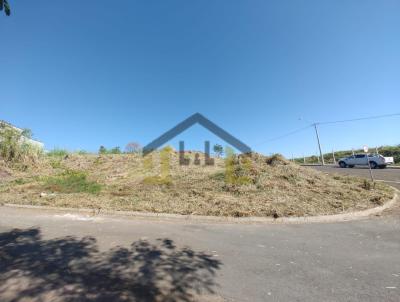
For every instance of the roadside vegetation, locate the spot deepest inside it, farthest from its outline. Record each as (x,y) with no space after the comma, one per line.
(71,181)
(234,186)
(15,150)
(56,152)
(393,151)
(238,186)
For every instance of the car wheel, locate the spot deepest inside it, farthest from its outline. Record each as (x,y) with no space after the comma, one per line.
(373,164)
(382,167)
(342,164)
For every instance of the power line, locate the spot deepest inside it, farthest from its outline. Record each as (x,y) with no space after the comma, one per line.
(325,123)
(284,135)
(359,119)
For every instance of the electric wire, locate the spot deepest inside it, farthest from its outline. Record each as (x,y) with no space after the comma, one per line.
(325,123)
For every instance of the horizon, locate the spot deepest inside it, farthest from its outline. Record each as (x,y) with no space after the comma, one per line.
(219,142)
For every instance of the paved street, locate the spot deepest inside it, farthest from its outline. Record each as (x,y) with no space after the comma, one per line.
(114,258)
(390,176)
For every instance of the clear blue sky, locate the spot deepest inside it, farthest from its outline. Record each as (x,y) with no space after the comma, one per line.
(93,73)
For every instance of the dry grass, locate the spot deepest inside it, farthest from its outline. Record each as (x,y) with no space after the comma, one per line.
(268,186)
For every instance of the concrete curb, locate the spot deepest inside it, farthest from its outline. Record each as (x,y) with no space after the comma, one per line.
(216,219)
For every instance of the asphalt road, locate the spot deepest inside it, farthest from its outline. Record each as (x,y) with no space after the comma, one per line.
(58,256)
(390,176)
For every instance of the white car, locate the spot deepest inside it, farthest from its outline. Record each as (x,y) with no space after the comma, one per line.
(375,161)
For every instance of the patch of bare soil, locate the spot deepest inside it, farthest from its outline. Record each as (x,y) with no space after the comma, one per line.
(4,172)
(241,186)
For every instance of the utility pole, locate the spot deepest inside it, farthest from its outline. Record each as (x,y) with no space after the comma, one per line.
(333,155)
(319,144)
(369,164)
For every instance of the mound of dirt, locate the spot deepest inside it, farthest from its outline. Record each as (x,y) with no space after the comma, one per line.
(275,160)
(244,185)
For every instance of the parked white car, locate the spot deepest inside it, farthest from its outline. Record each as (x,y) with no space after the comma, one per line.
(375,161)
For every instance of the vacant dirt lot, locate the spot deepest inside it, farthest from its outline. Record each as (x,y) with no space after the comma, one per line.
(241,186)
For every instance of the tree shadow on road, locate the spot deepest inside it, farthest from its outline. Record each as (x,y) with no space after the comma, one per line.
(71,269)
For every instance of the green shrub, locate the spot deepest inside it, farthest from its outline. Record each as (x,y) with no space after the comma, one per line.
(115,150)
(56,164)
(102,150)
(15,149)
(20,181)
(57,152)
(391,151)
(219,176)
(72,182)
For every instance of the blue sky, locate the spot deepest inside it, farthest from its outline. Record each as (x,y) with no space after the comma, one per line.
(105,73)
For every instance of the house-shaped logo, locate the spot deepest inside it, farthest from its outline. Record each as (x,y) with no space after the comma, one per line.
(187,123)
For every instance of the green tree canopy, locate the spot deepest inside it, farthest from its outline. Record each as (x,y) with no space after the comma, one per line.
(4,5)
(115,150)
(26,131)
(218,149)
(102,150)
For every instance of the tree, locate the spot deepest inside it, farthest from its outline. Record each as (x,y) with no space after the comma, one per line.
(102,150)
(26,132)
(218,149)
(4,5)
(115,150)
(133,147)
